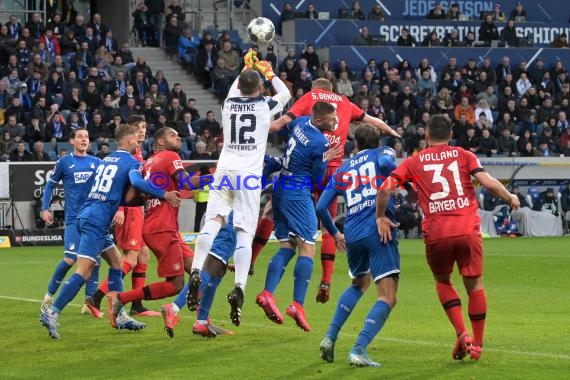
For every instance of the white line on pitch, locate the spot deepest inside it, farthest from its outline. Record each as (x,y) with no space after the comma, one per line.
(395,340)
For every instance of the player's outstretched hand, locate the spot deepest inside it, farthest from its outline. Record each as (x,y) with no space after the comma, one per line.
(385,226)
(249,59)
(47,217)
(173,198)
(119,218)
(333,152)
(340,242)
(264,68)
(514,201)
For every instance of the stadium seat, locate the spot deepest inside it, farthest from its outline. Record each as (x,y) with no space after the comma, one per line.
(481,198)
(532,196)
(64,145)
(112,145)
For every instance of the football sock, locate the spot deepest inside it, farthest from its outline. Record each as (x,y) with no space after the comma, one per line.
(180,299)
(204,243)
(302,277)
(154,291)
(68,292)
(57,277)
(477,310)
(262,234)
(97,297)
(115,280)
(242,258)
(276,268)
(93,282)
(452,305)
(138,279)
(373,323)
(139,275)
(208,287)
(328,251)
(104,287)
(346,303)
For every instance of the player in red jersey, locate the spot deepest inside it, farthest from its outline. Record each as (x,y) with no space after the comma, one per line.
(160,229)
(128,236)
(347,112)
(441,175)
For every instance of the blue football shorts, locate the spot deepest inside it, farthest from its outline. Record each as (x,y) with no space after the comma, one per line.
(94,238)
(295,218)
(369,254)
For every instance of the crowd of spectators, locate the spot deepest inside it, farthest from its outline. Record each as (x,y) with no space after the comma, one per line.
(72,73)
(497,109)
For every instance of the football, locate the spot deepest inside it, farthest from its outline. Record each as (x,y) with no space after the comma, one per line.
(261,30)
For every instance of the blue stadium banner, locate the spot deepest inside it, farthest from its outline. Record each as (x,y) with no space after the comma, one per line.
(394,10)
(324,33)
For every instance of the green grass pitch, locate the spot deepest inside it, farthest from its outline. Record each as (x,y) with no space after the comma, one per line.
(528,323)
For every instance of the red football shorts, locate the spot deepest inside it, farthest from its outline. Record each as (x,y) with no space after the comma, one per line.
(466,250)
(328,175)
(170,251)
(128,235)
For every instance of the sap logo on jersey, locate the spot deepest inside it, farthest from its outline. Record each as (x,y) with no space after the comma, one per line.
(81,177)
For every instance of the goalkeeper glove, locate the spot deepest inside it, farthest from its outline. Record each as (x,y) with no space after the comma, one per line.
(249,59)
(264,68)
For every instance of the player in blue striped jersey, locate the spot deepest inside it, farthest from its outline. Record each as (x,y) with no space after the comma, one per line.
(76,172)
(113,177)
(358,181)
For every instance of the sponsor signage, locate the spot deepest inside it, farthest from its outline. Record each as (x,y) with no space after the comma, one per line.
(30,180)
(31,238)
(343,32)
(393,10)
(4,241)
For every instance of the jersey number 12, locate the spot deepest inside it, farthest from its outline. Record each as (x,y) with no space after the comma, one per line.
(239,137)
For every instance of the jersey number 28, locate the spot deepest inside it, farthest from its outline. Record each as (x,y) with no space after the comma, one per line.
(104,178)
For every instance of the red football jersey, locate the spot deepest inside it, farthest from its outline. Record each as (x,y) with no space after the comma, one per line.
(138,154)
(346,110)
(159,170)
(442,177)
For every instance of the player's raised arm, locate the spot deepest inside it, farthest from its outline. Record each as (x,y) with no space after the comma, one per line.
(497,189)
(381,125)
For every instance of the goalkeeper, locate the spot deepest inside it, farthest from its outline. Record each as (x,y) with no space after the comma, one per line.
(246,117)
